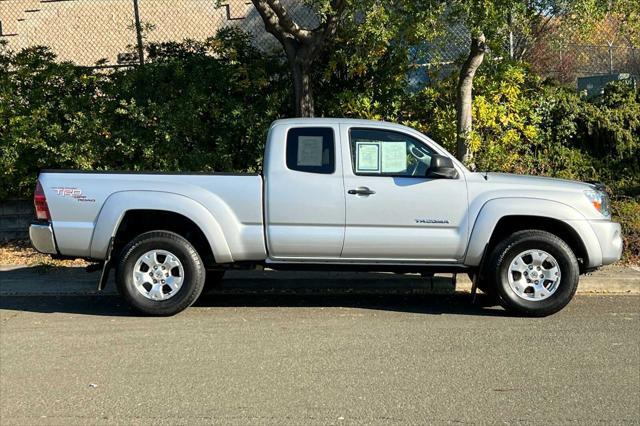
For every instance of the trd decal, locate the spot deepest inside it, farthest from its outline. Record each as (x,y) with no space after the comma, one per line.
(75,193)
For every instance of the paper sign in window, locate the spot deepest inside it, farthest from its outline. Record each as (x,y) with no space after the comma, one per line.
(394,157)
(368,157)
(310,151)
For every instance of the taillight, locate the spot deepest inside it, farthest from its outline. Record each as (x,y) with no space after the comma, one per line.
(40,203)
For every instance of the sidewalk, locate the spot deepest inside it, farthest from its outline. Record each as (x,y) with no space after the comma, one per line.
(74,281)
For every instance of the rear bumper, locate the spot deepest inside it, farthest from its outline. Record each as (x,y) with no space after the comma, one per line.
(609,236)
(42,239)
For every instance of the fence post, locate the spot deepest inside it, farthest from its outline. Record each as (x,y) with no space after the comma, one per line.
(136,14)
(511,44)
(610,44)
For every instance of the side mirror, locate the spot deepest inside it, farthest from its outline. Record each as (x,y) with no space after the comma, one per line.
(441,167)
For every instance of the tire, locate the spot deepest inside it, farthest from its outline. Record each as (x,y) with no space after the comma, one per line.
(528,294)
(173,256)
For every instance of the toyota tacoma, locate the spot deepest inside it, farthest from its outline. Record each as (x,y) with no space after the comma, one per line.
(334,194)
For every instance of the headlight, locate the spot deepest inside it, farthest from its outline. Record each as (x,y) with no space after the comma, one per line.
(600,201)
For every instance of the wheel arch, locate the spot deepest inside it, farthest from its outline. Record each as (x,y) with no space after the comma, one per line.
(131,213)
(500,218)
(508,225)
(138,221)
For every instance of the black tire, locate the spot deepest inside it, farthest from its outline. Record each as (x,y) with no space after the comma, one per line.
(193,280)
(505,252)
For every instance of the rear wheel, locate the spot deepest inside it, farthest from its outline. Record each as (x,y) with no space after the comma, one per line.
(534,273)
(160,273)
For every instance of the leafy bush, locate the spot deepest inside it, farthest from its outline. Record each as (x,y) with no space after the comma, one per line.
(522,124)
(196,106)
(627,212)
(48,117)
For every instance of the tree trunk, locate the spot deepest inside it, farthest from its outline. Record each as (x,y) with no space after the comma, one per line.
(302,88)
(464,92)
(302,46)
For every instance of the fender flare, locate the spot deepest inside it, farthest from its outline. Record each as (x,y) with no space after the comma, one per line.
(495,210)
(113,212)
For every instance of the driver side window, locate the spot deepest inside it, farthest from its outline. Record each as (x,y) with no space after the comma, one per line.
(388,153)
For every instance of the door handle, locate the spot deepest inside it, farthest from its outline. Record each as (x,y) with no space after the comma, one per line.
(363,190)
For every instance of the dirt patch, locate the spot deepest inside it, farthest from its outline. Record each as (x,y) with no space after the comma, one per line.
(20,252)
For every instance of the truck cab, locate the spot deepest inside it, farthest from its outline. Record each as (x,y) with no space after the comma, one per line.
(353,192)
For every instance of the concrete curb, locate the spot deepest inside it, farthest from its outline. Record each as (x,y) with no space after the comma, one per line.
(39,281)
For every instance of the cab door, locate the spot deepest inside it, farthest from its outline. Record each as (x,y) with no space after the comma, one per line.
(304,193)
(393,211)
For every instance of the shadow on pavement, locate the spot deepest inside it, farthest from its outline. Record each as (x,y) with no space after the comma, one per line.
(109,305)
(459,304)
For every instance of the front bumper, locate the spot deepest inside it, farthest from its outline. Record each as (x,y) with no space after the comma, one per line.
(609,236)
(42,239)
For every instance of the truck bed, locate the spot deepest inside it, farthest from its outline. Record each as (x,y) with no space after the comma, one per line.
(79,200)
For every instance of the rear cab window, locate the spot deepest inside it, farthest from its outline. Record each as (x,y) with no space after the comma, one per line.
(311,150)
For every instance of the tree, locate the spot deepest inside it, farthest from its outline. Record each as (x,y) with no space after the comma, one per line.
(302,46)
(489,22)
(482,18)
(464,96)
(374,62)
(535,21)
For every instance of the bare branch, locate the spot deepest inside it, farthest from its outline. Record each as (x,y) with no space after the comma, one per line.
(270,19)
(302,46)
(287,22)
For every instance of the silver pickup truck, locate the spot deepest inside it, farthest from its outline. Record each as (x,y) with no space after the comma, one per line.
(335,194)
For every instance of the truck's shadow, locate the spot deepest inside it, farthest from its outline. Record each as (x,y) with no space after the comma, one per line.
(433,304)
(112,305)
(72,291)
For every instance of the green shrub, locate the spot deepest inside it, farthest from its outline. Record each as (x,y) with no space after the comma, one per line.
(627,212)
(201,106)
(48,118)
(196,106)
(597,140)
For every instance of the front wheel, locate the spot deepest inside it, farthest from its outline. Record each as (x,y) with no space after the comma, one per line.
(160,273)
(535,273)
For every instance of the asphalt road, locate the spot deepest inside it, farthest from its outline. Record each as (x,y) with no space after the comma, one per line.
(332,359)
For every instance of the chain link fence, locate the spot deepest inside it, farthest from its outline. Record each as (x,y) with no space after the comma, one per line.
(112,33)
(567,53)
